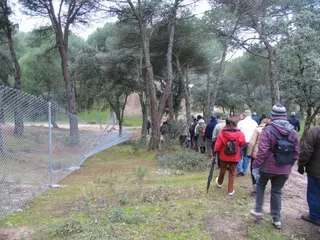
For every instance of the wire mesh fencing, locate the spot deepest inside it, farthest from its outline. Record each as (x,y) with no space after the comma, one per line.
(37,148)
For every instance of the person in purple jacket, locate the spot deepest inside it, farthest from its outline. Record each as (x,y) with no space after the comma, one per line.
(275,161)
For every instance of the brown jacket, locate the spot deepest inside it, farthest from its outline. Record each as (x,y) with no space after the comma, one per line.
(310,153)
(254,142)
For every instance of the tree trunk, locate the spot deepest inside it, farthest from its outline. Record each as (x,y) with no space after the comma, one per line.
(301,111)
(167,94)
(18,111)
(144,117)
(144,100)
(170,106)
(272,58)
(187,98)
(71,100)
(155,132)
(184,78)
(208,107)
(310,117)
(221,71)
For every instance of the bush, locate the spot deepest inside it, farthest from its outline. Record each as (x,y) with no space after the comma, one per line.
(115,214)
(185,161)
(67,228)
(140,172)
(177,128)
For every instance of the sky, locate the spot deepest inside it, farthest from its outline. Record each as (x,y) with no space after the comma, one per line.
(27,23)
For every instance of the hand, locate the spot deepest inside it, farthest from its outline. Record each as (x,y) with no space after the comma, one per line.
(301,170)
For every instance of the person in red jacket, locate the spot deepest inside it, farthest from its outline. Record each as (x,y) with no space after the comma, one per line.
(229,143)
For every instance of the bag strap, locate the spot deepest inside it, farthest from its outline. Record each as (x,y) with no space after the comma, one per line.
(274,131)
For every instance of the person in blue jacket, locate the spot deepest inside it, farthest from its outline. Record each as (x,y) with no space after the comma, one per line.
(208,135)
(294,121)
(255,117)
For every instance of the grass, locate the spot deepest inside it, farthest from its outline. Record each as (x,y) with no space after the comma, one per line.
(108,198)
(97,116)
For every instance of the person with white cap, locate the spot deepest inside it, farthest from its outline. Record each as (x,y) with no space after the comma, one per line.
(278,150)
(247,127)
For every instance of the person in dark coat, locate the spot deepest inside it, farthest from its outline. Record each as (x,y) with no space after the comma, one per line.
(208,134)
(148,126)
(269,168)
(191,132)
(309,161)
(295,122)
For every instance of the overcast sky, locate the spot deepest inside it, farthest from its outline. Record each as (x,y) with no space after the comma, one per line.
(27,23)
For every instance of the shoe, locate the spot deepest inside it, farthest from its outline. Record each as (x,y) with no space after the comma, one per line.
(232,193)
(257,215)
(309,219)
(218,183)
(240,174)
(277,225)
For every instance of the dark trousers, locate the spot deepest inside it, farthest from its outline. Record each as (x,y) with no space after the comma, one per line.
(313,198)
(252,177)
(277,183)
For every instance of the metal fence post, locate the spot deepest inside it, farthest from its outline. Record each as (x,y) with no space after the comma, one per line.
(50,144)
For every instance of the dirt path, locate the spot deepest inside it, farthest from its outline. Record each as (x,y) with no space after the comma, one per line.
(232,220)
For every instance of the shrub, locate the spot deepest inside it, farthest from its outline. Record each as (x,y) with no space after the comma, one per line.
(185,161)
(140,172)
(67,228)
(115,214)
(123,200)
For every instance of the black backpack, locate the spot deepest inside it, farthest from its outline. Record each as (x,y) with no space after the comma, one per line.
(285,148)
(231,147)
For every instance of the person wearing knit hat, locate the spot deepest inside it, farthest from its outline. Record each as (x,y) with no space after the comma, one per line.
(278,110)
(275,162)
(247,127)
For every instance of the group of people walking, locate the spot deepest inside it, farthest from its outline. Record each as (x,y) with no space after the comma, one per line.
(270,145)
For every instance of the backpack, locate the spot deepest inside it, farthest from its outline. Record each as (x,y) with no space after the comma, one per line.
(284,150)
(231,147)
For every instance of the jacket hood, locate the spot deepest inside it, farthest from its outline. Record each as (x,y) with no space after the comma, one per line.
(230,134)
(201,121)
(295,117)
(283,126)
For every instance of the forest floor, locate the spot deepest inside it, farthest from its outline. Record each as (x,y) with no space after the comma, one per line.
(120,193)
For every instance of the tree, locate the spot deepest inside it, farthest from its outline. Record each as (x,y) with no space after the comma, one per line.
(7,28)
(300,63)
(62,16)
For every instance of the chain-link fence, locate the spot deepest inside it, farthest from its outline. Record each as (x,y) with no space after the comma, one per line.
(37,148)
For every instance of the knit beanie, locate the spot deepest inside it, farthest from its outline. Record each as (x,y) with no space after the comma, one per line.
(278,110)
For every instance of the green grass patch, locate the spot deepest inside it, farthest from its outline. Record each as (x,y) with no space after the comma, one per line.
(122,194)
(96,117)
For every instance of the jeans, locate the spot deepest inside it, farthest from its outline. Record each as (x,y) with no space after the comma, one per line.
(232,174)
(313,198)
(277,183)
(244,162)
